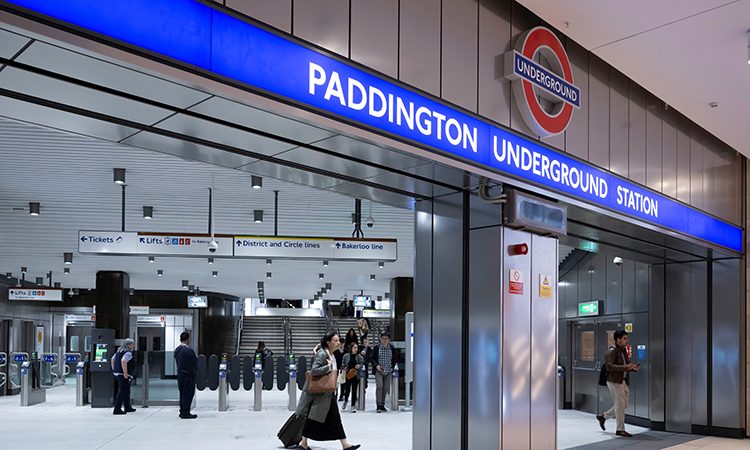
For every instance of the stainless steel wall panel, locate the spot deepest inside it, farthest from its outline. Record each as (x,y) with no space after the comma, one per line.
(654,108)
(516,348)
(641,287)
(447,282)
(697,150)
(599,123)
(728,370)
(419,45)
(669,154)
(634,379)
(698,309)
(323,22)
(614,286)
(187,150)
(374,39)
(678,361)
(584,280)
(494,41)
(619,104)
(637,133)
(570,286)
(628,286)
(577,134)
(641,395)
(459,52)
(521,20)
(484,383)
(421,421)
(656,343)
(598,272)
(544,262)
(277,13)
(683,158)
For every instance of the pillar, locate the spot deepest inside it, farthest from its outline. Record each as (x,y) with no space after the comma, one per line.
(113,302)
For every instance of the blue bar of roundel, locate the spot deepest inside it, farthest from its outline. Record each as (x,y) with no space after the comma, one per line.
(196,34)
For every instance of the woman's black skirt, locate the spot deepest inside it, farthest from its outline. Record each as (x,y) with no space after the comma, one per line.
(330,430)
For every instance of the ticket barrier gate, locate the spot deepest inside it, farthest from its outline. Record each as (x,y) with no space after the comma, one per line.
(394,389)
(82,389)
(362,374)
(32,391)
(49,377)
(223,386)
(292,370)
(3,375)
(16,359)
(258,397)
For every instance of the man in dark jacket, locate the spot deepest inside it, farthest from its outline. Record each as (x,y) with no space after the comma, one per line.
(187,369)
(123,369)
(618,367)
(383,360)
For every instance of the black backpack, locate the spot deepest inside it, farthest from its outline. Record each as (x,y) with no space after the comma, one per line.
(603,372)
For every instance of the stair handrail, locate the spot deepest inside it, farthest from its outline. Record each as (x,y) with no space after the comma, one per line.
(287,326)
(241,322)
(331,324)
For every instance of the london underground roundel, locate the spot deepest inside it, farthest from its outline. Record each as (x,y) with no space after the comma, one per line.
(546,94)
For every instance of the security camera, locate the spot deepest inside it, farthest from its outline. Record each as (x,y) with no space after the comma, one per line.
(370,222)
(213,246)
(617,261)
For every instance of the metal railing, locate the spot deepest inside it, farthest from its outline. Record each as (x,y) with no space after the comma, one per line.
(331,324)
(288,342)
(239,332)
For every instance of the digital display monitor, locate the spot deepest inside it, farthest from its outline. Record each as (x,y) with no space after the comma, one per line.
(197,301)
(362,300)
(100,355)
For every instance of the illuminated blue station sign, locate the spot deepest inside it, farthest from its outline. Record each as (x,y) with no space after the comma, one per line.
(194,33)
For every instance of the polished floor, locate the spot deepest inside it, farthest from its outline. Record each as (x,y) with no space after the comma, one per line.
(50,426)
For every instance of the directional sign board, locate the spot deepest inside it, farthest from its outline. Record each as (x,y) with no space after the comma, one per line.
(182,245)
(40,295)
(316,248)
(121,243)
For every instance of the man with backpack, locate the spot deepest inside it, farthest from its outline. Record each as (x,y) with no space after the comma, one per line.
(616,370)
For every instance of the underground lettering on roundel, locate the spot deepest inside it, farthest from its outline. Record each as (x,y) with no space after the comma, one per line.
(355,95)
(520,157)
(637,202)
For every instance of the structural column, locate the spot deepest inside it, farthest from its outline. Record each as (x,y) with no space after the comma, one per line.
(113,302)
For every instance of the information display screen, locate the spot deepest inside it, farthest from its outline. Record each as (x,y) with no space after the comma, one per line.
(362,300)
(197,301)
(100,355)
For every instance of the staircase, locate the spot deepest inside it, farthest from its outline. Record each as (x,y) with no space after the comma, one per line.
(306,334)
(269,329)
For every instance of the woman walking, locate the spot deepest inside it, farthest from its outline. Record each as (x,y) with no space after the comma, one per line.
(353,361)
(323,419)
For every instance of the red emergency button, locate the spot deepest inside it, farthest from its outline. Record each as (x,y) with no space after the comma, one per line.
(518,249)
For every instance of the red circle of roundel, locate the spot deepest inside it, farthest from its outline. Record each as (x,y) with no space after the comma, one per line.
(535,39)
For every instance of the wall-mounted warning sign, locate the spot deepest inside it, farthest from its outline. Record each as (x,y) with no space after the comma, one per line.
(545,286)
(516,282)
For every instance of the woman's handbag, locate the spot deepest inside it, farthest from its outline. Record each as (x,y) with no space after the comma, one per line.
(351,373)
(323,384)
(342,377)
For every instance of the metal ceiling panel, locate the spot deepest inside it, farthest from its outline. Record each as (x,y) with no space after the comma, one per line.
(409,184)
(313,158)
(187,150)
(376,195)
(28,112)
(255,118)
(70,94)
(369,152)
(290,174)
(11,43)
(104,73)
(210,131)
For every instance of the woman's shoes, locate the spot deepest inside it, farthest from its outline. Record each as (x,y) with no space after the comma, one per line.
(299,447)
(353,447)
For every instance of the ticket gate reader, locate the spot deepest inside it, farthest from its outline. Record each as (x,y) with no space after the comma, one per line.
(362,374)
(223,387)
(292,387)
(102,383)
(3,375)
(394,389)
(258,398)
(32,391)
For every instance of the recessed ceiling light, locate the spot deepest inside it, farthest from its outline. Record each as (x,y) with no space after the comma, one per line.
(58,285)
(9,275)
(34,208)
(258,215)
(66,271)
(210,260)
(119,176)
(151,259)
(325,263)
(160,273)
(185,284)
(68,258)
(39,281)
(24,270)
(269,261)
(268,274)
(256,182)
(381,265)
(215,274)
(148,212)
(329,286)
(372,276)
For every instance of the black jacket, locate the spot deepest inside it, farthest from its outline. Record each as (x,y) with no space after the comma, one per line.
(374,357)
(187,361)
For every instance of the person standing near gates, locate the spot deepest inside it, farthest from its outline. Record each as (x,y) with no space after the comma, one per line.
(123,368)
(353,361)
(187,369)
(383,360)
(263,352)
(323,421)
(618,367)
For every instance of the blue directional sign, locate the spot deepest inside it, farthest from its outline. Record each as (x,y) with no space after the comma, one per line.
(49,358)
(2,358)
(71,359)
(196,34)
(19,358)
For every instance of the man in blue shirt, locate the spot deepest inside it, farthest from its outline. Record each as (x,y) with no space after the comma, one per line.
(187,369)
(123,368)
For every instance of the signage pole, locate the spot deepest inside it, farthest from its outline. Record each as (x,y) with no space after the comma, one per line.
(123,207)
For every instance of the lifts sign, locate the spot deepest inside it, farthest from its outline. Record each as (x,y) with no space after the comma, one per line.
(532,82)
(275,64)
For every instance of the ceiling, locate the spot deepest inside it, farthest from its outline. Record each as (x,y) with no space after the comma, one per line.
(71,176)
(689,53)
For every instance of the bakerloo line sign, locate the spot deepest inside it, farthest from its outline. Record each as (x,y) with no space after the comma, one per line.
(279,65)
